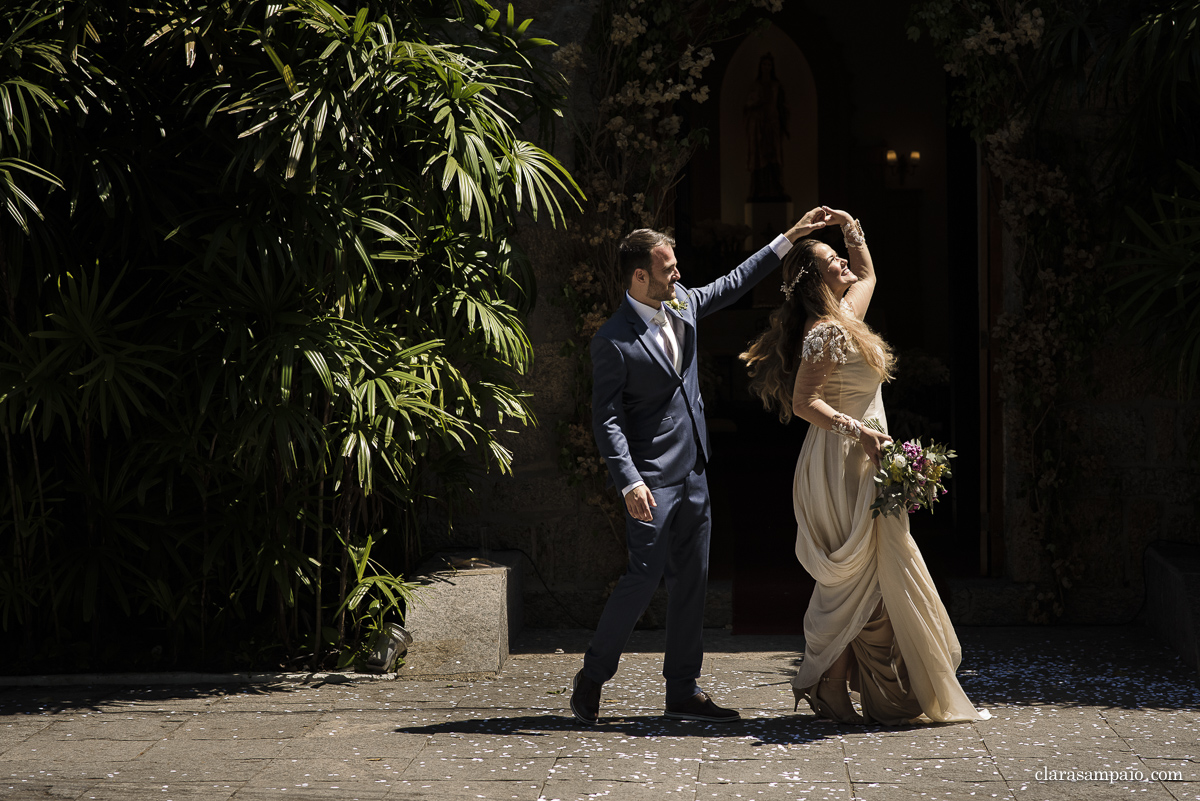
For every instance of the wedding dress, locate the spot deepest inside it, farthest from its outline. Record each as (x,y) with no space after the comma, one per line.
(905,647)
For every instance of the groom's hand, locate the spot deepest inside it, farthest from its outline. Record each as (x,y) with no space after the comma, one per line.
(813,220)
(638,502)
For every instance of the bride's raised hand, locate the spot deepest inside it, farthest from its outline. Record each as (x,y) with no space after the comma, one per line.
(836,217)
(872,442)
(813,220)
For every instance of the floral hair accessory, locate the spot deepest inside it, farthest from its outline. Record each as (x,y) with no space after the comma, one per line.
(788,288)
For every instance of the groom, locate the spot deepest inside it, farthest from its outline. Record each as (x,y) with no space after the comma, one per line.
(648,418)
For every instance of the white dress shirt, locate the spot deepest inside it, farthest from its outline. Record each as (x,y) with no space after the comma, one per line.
(659,332)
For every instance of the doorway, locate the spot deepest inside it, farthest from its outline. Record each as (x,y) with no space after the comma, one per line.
(923,230)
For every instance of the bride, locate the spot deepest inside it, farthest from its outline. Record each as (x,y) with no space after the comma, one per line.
(874,623)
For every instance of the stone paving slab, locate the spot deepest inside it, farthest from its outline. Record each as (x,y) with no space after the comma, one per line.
(467,791)
(774,791)
(55,751)
(39,771)
(765,771)
(933,789)
(556,790)
(1093,700)
(949,741)
(1093,791)
(303,792)
(434,767)
(179,790)
(1189,791)
(902,771)
(211,752)
(388,745)
(28,789)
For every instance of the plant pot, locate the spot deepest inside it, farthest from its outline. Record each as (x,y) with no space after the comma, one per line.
(391,642)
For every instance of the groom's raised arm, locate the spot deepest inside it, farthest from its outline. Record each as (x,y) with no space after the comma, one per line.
(731,286)
(737,282)
(608,411)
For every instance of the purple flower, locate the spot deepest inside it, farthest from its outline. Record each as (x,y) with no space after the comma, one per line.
(911,450)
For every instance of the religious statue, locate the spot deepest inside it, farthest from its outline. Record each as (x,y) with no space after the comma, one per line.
(766,116)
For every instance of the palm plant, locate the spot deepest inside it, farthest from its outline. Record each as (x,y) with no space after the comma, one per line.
(1142,61)
(1139,60)
(1159,278)
(256,330)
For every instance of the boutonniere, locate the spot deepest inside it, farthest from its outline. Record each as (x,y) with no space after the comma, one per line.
(676,304)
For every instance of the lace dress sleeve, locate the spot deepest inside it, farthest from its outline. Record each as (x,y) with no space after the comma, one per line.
(827,340)
(825,347)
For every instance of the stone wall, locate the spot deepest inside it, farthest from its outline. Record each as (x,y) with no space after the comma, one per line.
(1135,482)
(572,550)
(572,546)
(1131,453)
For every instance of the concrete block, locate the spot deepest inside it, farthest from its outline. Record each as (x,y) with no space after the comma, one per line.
(467,613)
(1173,596)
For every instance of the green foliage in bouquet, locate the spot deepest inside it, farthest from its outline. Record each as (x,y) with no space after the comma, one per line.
(910,476)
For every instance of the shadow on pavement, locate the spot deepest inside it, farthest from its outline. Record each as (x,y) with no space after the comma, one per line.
(29,700)
(782,729)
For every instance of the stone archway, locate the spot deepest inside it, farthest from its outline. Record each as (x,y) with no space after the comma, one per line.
(768,113)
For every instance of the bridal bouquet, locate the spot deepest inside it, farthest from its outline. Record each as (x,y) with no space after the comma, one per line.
(910,476)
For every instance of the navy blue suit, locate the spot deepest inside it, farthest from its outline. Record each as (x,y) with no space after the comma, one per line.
(649,425)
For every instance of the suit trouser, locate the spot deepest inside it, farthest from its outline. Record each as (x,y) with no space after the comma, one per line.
(674,546)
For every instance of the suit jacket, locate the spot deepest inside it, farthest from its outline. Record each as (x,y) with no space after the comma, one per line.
(648,419)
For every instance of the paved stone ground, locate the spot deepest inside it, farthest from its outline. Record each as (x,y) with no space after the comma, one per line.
(1063,699)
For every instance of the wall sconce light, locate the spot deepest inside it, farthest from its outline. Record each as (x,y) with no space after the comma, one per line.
(903,166)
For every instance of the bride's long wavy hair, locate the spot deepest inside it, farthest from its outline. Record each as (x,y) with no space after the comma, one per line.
(773,357)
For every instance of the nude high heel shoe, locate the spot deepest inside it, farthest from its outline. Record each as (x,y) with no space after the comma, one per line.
(833,706)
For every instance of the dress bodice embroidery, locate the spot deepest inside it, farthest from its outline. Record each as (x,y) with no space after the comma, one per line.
(827,339)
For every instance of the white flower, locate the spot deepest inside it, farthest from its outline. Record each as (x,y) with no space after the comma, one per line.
(626,27)
(568,57)
(647,61)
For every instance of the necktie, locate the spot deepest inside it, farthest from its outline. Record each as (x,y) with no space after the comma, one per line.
(668,338)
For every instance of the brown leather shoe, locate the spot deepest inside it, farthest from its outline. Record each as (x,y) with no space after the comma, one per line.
(701,707)
(585,699)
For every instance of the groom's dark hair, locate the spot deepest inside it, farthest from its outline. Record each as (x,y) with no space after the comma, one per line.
(633,252)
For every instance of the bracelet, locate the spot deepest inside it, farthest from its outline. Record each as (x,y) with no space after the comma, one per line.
(852,232)
(847,426)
